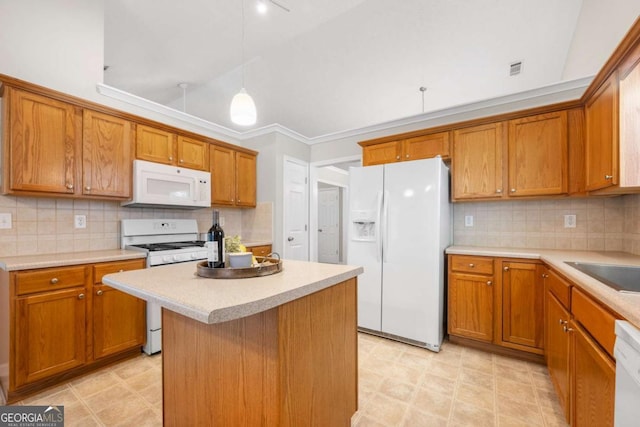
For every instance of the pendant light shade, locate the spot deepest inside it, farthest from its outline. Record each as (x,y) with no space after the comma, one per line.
(243,109)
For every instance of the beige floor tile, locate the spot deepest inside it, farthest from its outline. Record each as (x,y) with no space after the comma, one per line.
(468,415)
(144,418)
(509,362)
(364,394)
(133,367)
(121,410)
(514,422)
(389,351)
(42,397)
(438,384)
(432,402)
(95,383)
(515,374)
(515,390)
(478,396)
(142,380)
(63,396)
(541,380)
(478,364)
(405,374)
(116,393)
(478,379)
(365,421)
(383,367)
(369,378)
(442,369)
(526,412)
(76,411)
(416,418)
(89,421)
(553,418)
(392,387)
(417,361)
(385,409)
(152,393)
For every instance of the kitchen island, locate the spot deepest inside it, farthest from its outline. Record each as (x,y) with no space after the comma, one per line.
(278,350)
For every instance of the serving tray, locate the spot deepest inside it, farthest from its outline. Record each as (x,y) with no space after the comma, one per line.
(266,266)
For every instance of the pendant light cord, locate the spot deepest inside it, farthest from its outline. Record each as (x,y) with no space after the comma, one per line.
(242,49)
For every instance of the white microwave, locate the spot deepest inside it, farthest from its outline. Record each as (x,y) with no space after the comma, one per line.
(159,185)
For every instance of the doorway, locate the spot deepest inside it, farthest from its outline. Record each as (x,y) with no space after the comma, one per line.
(330,209)
(296,209)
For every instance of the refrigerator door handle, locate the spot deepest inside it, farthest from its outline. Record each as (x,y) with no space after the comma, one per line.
(378,228)
(384,225)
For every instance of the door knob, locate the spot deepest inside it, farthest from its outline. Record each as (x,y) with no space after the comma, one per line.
(290,239)
(319,230)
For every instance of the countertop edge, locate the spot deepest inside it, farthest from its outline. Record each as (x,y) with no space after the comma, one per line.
(624,304)
(237,311)
(30,262)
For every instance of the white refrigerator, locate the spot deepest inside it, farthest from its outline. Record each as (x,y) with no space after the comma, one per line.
(399,227)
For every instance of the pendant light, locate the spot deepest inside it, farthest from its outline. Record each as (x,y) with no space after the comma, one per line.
(243,109)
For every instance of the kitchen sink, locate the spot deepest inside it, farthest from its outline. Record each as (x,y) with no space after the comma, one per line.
(622,278)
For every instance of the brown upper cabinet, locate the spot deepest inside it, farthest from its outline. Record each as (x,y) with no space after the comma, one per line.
(233,177)
(42,143)
(107,152)
(536,158)
(55,148)
(376,152)
(160,146)
(477,170)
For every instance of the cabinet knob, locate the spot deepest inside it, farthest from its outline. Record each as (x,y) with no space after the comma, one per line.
(121,270)
(565,328)
(407,156)
(181,160)
(87,188)
(545,275)
(471,265)
(170,158)
(608,176)
(69,186)
(505,268)
(513,190)
(489,283)
(397,157)
(562,322)
(499,191)
(99,292)
(54,281)
(81,296)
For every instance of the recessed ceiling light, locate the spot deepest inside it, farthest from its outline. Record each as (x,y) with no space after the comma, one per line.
(261,7)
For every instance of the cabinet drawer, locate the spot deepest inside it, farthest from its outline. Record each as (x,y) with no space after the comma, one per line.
(114,267)
(472,264)
(595,319)
(50,279)
(560,288)
(260,250)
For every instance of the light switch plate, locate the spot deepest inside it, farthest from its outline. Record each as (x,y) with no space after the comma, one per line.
(80,221)
(5,220)
(468,221)
(569,221)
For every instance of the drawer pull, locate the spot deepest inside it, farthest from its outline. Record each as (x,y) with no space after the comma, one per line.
(567,329)
(489,283)
(99,292)
(513,190)
(87,188)
(545,276)
(562,322)
(81,296)
(499,191)
(54,281)
(471,265)
(608,176)
(505,268)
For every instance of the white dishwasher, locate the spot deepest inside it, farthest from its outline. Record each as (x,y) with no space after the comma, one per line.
(627,353)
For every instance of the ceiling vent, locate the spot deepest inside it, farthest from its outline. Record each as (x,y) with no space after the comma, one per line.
(515,68)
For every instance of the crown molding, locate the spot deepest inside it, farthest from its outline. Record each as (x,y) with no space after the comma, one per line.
(557,92)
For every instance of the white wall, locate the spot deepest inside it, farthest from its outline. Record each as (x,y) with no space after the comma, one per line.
(601,26)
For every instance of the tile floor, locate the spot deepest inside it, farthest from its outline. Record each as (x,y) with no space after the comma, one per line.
(400,385)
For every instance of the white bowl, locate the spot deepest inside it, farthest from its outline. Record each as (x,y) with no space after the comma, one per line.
(240,259)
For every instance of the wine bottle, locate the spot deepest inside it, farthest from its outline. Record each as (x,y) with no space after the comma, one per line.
(215,257)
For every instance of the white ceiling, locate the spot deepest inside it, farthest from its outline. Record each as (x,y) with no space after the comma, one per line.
(333,65)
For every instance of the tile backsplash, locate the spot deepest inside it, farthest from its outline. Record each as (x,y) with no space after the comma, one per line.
(610,224)
(44,225)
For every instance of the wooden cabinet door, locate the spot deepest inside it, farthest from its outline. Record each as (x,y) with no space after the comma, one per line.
(43,144)
(426,146)
(245,179)
(155,145)
(223,166)
(387,152)
(593,377)
(522,305)
(193,154)
(601,137)
(118,318)
(629,141)
(107,151)
(537,155)
(557,349)
(263,250)
(471,306)
(476,164)
(50,334)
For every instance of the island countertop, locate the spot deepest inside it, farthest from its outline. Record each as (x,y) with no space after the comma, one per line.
(177,288)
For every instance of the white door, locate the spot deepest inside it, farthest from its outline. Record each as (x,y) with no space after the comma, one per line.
(296,210)
(329,225)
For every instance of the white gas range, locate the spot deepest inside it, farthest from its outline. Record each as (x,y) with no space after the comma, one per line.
(166,241)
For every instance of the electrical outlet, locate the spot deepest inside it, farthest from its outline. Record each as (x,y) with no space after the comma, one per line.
(468,221)
(80,221)
(569,221)
(5,220)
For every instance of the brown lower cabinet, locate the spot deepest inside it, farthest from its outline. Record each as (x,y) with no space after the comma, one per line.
(262,250)
(63,322)
(578,333)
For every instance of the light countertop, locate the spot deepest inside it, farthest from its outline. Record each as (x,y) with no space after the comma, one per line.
(177,288)
(626,305)
(28,262)
(252,243)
